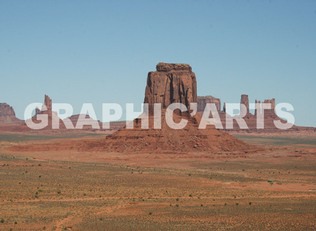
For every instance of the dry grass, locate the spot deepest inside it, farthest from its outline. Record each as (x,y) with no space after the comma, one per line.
(271,190)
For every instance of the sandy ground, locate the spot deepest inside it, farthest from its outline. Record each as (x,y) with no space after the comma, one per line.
(270,188)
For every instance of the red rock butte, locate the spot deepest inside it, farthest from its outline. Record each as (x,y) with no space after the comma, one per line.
(7,115)
(269,115)
(171,83)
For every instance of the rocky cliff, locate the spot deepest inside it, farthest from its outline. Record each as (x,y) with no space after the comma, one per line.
(47,109)
(203,100)
(251,119)
(244,100)
(171,83)
(7,114)
(48,104)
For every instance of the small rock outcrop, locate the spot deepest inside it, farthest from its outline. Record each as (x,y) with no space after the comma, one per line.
(270,101)
(171,83)
(7,114)
(48,104)
(268,113)
(244,100)
(203,100)
(47,109)
(166,67)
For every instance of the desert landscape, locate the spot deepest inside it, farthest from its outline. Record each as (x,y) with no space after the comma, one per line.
(149,179)
(271,188)
(155,115)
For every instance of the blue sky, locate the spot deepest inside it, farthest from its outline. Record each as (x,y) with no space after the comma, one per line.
(101,51)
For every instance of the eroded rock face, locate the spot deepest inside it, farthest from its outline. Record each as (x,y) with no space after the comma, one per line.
(244,100)
(165,67)
(171,83)
(47,109)
(268,113)
(48,104)
(203,100)
(7,114)
(270,101)
(6,110)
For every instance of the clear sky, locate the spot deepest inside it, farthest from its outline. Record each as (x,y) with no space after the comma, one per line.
(101,51)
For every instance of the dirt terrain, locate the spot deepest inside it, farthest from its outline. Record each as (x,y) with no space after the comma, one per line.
(272,188)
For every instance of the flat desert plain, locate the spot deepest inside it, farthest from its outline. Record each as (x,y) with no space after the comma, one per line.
(270,188)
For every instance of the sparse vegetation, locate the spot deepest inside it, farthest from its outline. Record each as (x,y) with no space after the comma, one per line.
(271,182)
(174,196)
